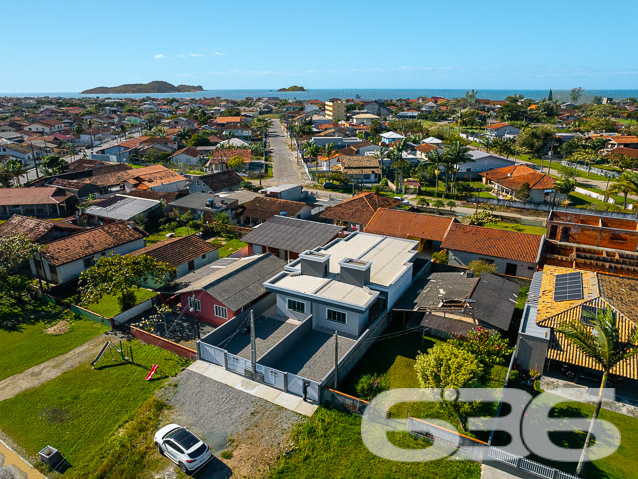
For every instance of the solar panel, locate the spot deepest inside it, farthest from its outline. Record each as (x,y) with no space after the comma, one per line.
(568,287)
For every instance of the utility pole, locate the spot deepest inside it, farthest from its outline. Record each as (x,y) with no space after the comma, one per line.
(253,349)
(336,360)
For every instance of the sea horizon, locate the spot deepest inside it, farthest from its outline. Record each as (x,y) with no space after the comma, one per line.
(344,93)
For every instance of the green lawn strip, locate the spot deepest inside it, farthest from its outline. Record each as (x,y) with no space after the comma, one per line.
(158,236)
(26,344)
(583,201)
(619,465)
(109,306)
(81,409)
(229,246)
(329,444)
(535,230)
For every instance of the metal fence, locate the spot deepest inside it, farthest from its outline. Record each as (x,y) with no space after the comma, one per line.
(592,169)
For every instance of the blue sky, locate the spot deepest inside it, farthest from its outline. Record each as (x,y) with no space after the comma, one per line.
(74,45)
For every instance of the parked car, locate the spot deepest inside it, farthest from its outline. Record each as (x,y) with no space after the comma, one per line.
(182,447)
(329,186)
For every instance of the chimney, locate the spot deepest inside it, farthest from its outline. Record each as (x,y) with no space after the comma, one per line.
(314,263)
(355,271)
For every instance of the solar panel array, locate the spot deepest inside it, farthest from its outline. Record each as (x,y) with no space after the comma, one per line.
(568,287)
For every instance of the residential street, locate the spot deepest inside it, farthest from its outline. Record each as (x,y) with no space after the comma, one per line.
(284,162)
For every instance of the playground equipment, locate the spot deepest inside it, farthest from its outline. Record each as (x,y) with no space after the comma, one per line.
(108,345)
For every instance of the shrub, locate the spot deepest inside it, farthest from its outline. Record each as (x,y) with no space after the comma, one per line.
(440,257)
(369,385)
(227,455)
(481,218)
(489,347)
(479,266)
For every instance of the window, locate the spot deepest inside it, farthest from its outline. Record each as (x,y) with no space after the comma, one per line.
(52,269)
(221,312)
(194,304)
(296,306)
(88,262)
(204,256)
(336,316)
(486,260)
(191,265)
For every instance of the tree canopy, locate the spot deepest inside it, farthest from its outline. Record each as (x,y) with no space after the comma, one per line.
(120,275)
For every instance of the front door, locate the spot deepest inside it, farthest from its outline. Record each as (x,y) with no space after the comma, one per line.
(510,269)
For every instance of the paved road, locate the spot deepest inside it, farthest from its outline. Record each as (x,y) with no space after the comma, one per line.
(285,168)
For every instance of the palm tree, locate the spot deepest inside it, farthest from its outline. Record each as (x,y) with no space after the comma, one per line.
(16,170)
(564,186)
(625,184)
(381,154)
(70,149)
(435,158)
(454,155)
(399,162)
(89,124)
(183,135)
(599,340)
(312,151)
(329,149)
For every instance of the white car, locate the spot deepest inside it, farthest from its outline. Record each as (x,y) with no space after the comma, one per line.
(182,447)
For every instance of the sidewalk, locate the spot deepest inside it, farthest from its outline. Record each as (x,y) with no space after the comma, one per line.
(13,466)
(275,396)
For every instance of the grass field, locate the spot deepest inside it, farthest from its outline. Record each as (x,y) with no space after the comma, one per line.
(161,235)
(330,445)
(108,306)
(26,343)
(81,410)
(229,246)
(501,225)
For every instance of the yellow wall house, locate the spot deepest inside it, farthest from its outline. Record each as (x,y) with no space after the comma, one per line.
(567,293)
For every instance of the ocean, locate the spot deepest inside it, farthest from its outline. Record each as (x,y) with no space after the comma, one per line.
(365,94)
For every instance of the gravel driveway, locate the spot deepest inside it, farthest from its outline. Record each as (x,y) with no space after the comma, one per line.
(256,431)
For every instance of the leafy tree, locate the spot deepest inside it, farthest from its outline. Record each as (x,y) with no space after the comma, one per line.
(626,184)
(482,218)
(231,111)
(536,140)
(14,250)
(512,111)
(121,275)
(489,347)
(600,340)
(158,131)
(440,257)
(53,164)
(438,203)
(575,94)
(375,127)
(451,204)
(155,156)
(16,169)
(246,185)
(472,118)
(622,162)
(183,135)
(421,201)
(236,163)
(447,367)
(198,139)
(597,100)
(479,266)
(523,192)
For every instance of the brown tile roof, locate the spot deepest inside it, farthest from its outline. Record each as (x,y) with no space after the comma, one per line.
(622,150)
(496,126)
(406,224)
(513,177)
(263,208)
(624,140)
(169,196)
(150,175)
(224,154)
(177,251)
(359,209)
(43,195)
(426,148)
(134,142)
(192,152)
(492,242)
(91,242)
(34,228)
(228,119)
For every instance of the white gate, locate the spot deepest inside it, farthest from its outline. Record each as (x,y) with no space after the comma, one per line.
(295,386)
(237,364)
(212,354)
(272,376)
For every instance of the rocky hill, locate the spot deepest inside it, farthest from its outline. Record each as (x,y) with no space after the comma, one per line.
(151,87)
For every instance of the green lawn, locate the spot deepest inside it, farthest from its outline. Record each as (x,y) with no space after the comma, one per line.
(25,343)
(229,246)
(501,225)
(81,410)
(108,306)
(158,236)
(329,445)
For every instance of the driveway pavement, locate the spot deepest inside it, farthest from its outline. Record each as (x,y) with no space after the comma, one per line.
(284,161)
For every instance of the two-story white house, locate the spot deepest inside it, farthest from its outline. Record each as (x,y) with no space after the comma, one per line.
(346,284)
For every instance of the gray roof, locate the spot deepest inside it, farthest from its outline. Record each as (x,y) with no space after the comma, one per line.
(120,207)
(495,300)
(291,234)
(194,200)
(234,282)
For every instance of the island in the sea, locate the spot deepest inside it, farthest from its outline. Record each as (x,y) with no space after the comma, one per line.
(293,88)
(151,87)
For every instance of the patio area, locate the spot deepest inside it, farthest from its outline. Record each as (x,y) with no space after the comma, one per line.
(268,332)
(182,331)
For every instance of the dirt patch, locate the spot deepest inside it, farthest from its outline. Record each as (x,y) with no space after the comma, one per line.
(59,328)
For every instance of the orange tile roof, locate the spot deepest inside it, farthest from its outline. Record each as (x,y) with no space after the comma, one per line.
(621,150)
(496,126)
(406,224)
(228,119)
(359,209)
(624,140)
(426,148)
(513,177)
(177,251)
(492,242)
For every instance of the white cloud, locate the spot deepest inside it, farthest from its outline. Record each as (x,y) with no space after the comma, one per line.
(160,55)
(220,53)
(196,55)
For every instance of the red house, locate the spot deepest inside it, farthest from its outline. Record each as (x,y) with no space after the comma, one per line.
(223,289)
